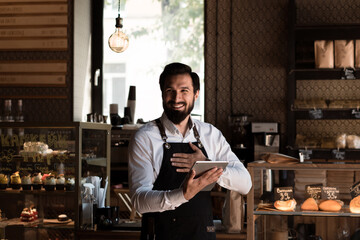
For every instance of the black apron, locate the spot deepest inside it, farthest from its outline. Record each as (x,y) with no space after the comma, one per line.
(191,220)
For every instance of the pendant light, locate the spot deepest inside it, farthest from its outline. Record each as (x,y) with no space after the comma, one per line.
(118,41)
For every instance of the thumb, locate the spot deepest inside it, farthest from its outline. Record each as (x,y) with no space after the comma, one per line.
(193,147)
(192,174)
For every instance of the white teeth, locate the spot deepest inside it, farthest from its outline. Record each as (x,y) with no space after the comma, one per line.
(178,105)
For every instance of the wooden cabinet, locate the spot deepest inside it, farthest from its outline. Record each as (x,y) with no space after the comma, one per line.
(309,83)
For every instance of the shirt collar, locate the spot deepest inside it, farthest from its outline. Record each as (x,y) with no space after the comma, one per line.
(170,126)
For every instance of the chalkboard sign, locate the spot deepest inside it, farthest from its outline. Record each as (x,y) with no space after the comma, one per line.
(283,193)
(355,190)
(7,168)
(331,193)
(314,191)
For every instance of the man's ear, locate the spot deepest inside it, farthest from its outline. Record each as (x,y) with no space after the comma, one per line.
(197,94)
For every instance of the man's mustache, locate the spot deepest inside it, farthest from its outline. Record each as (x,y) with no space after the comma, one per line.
(173,102)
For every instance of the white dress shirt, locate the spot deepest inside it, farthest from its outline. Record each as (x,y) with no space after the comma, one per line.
(146,155)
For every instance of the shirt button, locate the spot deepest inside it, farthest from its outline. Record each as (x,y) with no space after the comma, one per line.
(174,219)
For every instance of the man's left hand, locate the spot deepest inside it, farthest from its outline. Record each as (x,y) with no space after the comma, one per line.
(184,161)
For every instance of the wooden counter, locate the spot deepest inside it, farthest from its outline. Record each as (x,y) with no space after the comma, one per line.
(132,235)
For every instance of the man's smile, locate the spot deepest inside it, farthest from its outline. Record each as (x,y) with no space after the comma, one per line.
(177,106)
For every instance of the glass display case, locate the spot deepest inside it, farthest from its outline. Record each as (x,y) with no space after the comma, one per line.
(266,222)
(43,168)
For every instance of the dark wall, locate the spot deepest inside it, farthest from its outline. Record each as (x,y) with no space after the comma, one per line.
(246,55)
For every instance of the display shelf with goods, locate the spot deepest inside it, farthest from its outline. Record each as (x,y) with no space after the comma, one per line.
(42,168)
(264,221)
(326,95)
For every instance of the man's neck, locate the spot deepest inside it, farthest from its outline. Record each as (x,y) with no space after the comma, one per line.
(183,126)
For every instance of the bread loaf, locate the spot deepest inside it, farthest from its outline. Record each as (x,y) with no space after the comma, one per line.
(355,205)
(287,206)
(330,206)
(310,205)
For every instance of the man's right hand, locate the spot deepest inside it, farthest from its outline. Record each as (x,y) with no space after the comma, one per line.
(194,185)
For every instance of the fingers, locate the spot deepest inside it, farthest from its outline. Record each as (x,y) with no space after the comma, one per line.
(181,155)
(213,173)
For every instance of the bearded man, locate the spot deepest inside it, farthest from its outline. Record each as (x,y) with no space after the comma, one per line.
(161,155)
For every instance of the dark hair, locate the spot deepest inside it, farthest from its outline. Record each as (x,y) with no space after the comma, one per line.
(176,68)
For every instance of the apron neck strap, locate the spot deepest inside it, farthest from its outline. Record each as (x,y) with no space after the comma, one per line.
(164,137)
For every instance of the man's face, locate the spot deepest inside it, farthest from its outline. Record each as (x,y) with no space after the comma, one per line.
(178,97)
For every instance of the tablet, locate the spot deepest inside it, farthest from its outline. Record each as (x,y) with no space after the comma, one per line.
(202,166)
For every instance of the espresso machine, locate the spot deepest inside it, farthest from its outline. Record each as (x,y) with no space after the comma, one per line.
(241,139)
(266,138)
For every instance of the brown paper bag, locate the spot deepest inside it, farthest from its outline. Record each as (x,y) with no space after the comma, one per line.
(357,53)
(324,54)
(344,54)
(233,212)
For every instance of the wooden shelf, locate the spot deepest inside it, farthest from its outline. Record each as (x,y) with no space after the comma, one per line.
(331,114)
(322,153)
(321,74)
(344,212)
(327,32)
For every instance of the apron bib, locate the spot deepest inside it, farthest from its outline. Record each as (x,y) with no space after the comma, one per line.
(191,220)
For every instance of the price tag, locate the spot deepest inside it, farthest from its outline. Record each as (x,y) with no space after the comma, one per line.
(284,193)
(306,153)
(7,168)
(355,190)
(316,114)
(338,154)
(356,113)
(313,191)
(330,193)
(348,73)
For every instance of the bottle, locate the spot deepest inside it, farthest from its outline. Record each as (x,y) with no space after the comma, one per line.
(8,117)
(19,114)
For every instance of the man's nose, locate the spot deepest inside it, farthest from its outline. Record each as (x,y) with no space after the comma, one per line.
(176,96)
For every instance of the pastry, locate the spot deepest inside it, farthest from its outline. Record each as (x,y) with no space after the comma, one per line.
(34,212)
(355,205)
(310,205)
(26,182)
(26,215)
(3,181)
(49,183)
(341,141)
(43,178)
(36,180)
(353,141)
(63,217)
(330,206)
(287,206)
(38,147)
(70,184)
(15,180)
(60,182)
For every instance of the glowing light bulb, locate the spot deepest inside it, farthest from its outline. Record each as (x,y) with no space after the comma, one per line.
(118,41)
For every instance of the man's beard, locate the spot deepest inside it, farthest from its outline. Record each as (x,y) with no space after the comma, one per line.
(177,116)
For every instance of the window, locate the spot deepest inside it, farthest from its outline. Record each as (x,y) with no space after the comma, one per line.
(160,32)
